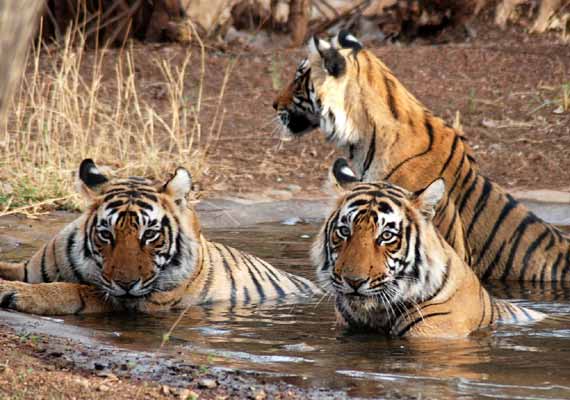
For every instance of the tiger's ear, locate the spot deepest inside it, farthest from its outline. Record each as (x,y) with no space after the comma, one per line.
(342,176)
(346,40)
(91,179)
(333,62)
(179,186)
(427,199)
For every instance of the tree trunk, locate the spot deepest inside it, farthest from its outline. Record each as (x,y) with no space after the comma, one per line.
(299,15)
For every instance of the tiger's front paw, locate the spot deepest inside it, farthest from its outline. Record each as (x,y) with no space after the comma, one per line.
(8,295)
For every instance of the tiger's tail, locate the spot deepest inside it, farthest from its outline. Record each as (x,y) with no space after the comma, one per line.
(508,312)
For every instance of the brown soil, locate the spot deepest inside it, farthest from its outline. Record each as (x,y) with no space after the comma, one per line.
(35,366)
(504,85)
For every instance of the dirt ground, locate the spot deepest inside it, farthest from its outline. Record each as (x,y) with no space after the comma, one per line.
(506,87)
(45,367)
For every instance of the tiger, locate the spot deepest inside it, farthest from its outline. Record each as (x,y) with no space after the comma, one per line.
(138,246)
(390,136)
(392,272)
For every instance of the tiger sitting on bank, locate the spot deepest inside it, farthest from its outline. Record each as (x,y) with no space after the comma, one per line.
(390,269)
(138,247)
(390,136)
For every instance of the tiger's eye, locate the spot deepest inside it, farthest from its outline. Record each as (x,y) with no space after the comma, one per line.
(343,231)
(386,235)
(105,235)
(150,234)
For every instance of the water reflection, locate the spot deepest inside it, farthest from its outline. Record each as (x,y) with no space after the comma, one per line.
(299,343)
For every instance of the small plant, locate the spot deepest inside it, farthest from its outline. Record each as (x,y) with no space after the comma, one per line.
(565,97)
(275,71)
(71,105)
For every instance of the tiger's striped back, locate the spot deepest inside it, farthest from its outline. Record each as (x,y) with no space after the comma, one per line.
(242,278)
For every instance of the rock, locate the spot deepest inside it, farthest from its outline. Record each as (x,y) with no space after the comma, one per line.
(165,390)
(187,394)
(558,110)
(84,383)
(294,188)
(98,366)
(109,376)
(207,383)
(103,388)
(259,395)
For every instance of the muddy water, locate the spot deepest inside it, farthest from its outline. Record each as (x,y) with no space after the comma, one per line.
(299,344)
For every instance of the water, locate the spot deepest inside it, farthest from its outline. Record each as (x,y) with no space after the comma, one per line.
(299,343)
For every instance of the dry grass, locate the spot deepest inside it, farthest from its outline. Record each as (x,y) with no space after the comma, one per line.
(63,113)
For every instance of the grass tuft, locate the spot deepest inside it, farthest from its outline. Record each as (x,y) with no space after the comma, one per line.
(63,113)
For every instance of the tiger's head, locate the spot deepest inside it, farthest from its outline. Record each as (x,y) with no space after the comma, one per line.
(379,251)
(296,104)
(139,236)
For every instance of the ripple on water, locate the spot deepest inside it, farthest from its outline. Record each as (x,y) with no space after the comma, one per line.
(299,343)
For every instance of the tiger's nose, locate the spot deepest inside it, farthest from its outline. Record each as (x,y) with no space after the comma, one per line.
(126,286)
(275,105)
(355,283)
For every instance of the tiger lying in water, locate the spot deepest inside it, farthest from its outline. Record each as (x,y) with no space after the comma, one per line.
(139,247)
(390,269)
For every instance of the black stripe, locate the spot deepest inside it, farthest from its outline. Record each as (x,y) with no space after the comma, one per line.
(278,289)
(466,196)
(529,252)
(554,272)
(480,205)
(258,286)
(299,283)
(456,176)
(233,294)
(26,270)
(328,230)
(69,256)
(422,318)
(115,204)
(55,265)
(451,154)
(507,208)
(418,258)
(516,241)
(144,205)
(88,234)
(488,272)
(483,306)
(45,277)
(566,269)
(371,193)
(246,296)
(508,306)
(369,154)
(209,280)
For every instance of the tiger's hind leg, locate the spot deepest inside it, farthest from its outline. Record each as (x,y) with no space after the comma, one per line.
(507,312)
(58,298)
(13,271)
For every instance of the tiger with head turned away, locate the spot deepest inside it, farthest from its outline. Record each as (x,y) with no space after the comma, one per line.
(390,269)
(390,136)
(138,247)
